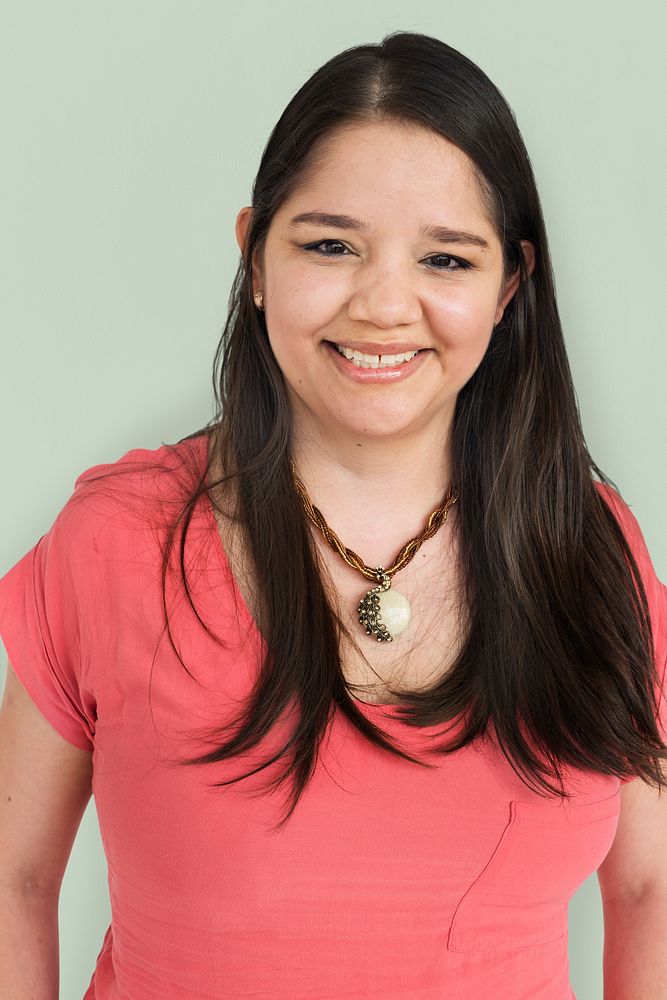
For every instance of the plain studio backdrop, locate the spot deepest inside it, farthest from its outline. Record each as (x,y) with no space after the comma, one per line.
(131,133)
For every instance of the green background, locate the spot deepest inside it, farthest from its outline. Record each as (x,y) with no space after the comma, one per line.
(131,135)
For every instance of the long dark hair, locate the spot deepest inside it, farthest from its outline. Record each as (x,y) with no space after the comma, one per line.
(558,655)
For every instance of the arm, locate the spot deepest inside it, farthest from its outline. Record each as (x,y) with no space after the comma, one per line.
(635,948)
(633,885)
(633,876)
(45,783)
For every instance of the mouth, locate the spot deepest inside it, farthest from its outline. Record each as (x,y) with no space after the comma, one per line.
(376,361)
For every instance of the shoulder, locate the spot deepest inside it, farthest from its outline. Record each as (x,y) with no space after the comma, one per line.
(627,523)
(625,518)
(656,592)
(119,507)
(162,471)
(140,479)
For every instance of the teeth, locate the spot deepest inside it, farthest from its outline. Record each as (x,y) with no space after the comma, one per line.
(360,360)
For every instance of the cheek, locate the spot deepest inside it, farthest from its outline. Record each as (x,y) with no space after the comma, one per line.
(465,321)
(302,299)
(298,309)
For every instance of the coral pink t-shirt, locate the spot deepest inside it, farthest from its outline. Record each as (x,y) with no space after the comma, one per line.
(390,881)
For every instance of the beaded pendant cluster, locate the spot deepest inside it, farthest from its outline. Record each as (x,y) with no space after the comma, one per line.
(382,609)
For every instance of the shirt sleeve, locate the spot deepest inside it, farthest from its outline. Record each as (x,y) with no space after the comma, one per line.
(41,606)
(656,596)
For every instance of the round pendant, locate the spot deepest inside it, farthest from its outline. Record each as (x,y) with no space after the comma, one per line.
(383,612)
(395,611)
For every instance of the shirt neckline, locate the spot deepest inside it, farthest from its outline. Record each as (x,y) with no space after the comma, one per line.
(248,622)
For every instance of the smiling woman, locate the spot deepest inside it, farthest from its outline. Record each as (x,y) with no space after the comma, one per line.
(394,402)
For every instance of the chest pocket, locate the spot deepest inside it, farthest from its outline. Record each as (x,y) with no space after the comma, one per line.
(545,852)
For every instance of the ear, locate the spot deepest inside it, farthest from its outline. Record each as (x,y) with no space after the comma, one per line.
(513,282)
(243,220)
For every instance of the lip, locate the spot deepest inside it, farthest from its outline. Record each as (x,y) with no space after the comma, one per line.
(394,373)
(375,348)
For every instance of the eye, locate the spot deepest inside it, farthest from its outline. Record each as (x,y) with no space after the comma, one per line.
(335,248)
(329,244)
(449,263)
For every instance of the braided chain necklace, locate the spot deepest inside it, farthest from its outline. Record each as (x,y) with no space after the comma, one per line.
(383,612)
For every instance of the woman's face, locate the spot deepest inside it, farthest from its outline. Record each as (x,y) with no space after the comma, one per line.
(398,256)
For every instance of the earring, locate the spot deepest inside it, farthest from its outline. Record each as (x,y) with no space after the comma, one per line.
(259,300)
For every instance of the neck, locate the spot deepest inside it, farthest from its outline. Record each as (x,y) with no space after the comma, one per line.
(391,485)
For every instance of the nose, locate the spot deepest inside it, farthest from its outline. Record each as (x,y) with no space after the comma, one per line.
(385,299)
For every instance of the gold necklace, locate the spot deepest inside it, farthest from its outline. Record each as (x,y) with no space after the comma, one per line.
(383,612)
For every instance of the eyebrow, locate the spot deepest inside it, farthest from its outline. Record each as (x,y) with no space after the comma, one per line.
(441,234)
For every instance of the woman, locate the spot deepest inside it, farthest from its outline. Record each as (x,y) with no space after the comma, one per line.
(383,581)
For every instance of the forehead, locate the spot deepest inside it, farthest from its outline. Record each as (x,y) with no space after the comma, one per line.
(369,168)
